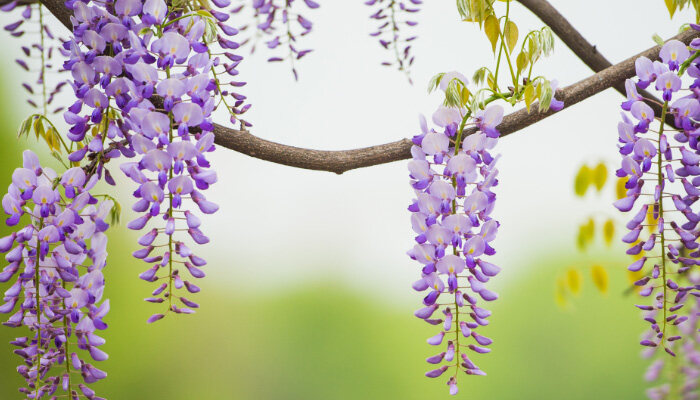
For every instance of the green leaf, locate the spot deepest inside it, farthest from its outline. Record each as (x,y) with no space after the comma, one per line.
(582,180)
(115,213)
(600,176)
(25,127)
(453,94)
(435,82)
(546,41)
(492,30)
(656,38)
(204,13)
(463,8)
(511,34)
(480,75)
(545,91)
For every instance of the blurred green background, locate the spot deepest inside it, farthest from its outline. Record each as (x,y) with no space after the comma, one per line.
(325,340)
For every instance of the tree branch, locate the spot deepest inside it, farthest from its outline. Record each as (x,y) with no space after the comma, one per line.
(342,161)
(583,49)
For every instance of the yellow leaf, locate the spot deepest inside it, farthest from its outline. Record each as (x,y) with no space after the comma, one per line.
(529,95)
(590,229)
(38,128)
(600,278)
(465,95)
(49,138)
(521,61)
(492,29)
(586,233)
(608,231)
(510,32)
(574,280)
(600,176)
(583,180)
(491,81)
(620,190)
(581,238)
(670,4)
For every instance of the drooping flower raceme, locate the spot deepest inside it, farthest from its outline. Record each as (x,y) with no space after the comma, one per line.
(163,84)
(681,374)
(393,18)
(451,216)
(56,255)
(280,18)
(661,165)
(39,46)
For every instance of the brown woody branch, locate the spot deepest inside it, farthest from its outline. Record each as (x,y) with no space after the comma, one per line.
(342,161)
(583,49)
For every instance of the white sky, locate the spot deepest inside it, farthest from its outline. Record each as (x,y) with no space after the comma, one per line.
(279,226)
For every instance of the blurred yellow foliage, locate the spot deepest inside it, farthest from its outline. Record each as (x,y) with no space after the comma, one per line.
(600,176)
(600,278)
(609,231)
(574,280)
(620,190)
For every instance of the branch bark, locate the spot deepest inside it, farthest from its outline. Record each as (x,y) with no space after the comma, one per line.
(584,50)
(341,161)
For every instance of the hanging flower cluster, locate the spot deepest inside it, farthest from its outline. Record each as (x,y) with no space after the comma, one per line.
(155,64)
(662,166)
(37,55)
(279,22)
(451,215)
(56,255)
(393,16)
(683,374)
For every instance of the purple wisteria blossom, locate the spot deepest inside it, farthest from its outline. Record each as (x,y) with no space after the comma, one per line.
(661,165)
(282,24)
(38,48)
(451,216)
(684,371)
(147,84)
(394,17)
(56,255)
